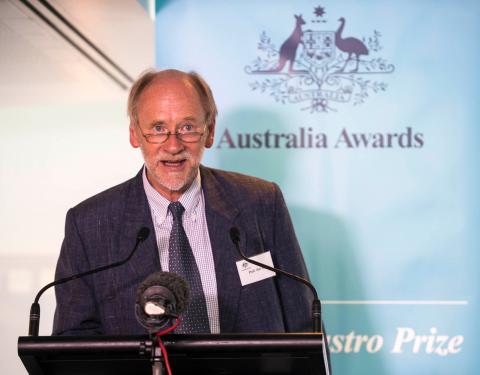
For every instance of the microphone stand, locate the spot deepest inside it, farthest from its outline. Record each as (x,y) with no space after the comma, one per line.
(158,367)
(316,305)
(34,323)
(153,349)
(159,356)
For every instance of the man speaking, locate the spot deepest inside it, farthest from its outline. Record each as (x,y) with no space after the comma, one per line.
(190,209)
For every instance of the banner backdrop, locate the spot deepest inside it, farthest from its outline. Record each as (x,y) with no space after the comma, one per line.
(366,114)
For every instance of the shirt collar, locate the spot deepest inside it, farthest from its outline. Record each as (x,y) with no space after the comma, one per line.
(159,204)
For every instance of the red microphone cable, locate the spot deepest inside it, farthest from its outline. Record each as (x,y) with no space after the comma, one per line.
(162,346)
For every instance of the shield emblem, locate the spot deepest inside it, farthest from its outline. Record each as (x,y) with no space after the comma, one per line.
(318,47)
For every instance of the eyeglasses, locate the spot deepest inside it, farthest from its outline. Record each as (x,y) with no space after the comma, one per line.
(187,134)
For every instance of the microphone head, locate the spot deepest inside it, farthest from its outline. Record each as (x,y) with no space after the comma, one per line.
(161,297)
(235,234)
(143,234)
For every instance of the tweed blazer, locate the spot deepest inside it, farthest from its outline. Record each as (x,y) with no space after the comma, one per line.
(103,230)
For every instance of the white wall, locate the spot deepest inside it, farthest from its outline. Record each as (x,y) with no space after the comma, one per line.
(63,138)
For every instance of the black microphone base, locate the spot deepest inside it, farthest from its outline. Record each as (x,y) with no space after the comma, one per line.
(34,319)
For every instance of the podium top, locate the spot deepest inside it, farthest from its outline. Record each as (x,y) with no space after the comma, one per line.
(226,354)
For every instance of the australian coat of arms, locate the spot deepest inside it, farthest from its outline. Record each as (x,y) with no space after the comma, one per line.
(321,68)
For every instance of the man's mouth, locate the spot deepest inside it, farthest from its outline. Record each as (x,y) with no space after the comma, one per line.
(174,163)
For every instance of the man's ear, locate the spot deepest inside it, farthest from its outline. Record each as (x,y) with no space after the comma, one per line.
(134,141)
(210,136)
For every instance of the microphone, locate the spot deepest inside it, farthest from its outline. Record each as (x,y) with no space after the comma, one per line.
(35,309)
(161,297)
(316,306)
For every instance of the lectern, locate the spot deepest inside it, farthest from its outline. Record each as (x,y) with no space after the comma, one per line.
(223,354)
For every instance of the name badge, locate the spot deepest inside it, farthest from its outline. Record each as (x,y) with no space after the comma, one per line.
(250,273)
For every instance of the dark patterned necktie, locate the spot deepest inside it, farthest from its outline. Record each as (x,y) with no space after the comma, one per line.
(182,262)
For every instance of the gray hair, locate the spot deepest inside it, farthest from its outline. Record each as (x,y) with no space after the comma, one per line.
(203,90)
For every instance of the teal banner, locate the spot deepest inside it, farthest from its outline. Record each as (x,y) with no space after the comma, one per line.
(366,114)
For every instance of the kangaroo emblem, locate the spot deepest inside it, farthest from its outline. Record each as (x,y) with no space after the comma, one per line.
(288,50)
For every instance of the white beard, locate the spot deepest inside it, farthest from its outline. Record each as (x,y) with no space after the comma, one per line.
(174,181)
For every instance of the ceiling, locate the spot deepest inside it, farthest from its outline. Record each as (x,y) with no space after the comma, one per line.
(68,50)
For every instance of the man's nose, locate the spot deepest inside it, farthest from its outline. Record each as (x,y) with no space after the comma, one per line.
(173,144)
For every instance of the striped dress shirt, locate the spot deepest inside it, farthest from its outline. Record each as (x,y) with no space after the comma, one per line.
(195,225)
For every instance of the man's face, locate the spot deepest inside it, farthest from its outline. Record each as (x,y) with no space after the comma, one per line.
(170,103)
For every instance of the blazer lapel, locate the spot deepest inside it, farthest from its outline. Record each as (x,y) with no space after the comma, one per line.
(221,214)
(137,215)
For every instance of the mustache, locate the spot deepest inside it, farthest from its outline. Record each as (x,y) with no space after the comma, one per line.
(184,155)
